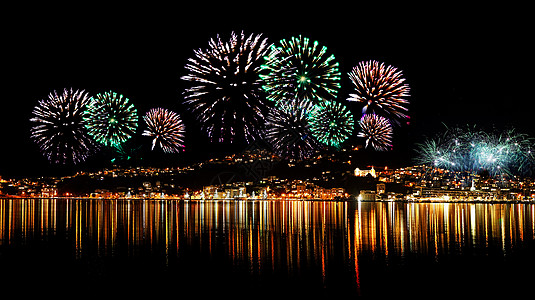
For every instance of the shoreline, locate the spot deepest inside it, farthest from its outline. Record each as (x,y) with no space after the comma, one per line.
(421,200)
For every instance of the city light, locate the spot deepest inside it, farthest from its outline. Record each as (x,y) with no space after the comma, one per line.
(416,183)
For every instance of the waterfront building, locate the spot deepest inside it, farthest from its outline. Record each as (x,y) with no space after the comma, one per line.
(224,192)
(235,193)
(366,195)
(212,192)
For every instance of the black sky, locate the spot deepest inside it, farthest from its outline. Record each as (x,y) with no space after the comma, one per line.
(465,65)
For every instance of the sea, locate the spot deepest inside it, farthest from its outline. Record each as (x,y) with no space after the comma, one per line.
(264,248)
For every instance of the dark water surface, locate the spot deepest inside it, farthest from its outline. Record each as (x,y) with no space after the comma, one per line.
(255,249)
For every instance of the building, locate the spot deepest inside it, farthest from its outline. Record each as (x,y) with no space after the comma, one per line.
(229,192)
(362,173)
(381,188)
(235,192)
(366,195)
(212,192)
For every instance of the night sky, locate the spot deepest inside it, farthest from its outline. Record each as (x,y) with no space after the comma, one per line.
(464,65)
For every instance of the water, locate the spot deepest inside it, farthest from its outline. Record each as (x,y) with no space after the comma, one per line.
(265,248)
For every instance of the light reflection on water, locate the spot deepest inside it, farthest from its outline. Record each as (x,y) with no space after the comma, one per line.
(315,244)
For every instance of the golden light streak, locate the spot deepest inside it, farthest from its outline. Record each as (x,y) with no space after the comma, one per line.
(271,236)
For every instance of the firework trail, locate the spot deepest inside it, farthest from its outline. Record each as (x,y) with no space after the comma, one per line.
(381,89)
(59,128)
(300,69)
(225,92)
(377,131)
(127,152)
(288,130)
(331,123)
(166,129)
(110,119)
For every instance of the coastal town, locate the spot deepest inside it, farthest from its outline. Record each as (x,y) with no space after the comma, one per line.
(255,176)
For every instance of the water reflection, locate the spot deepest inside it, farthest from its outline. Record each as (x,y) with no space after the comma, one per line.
(322,243)
(439,228)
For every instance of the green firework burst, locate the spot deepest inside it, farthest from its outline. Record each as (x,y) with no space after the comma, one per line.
(111,119)
(300,69)
(331,123)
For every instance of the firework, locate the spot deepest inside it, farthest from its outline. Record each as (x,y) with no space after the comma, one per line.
(506,152)
(165,128)
(331,123)
(288,130)
(59,127)
(443,151)
(469,149)
(377,131)
(225,92)
(300,69)
(381,88)
(110,118)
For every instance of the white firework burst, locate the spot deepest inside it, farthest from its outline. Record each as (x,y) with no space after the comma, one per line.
(377,131)
(225,92)
(166,129)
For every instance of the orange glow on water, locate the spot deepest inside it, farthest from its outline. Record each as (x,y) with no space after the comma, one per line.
(264,237)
